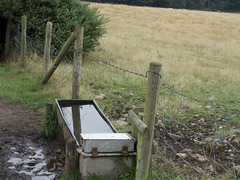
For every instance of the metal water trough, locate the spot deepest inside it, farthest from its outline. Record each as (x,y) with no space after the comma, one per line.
(102,150)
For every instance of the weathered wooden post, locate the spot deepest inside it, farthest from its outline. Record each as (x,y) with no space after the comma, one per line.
(140,126)
(7,39)
(145,141)
(47,47)
(59,58)
(71,157)
(23,40)
(136,109)
(76,122)
(77,62)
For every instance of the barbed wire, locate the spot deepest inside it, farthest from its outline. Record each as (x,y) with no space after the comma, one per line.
(88,56)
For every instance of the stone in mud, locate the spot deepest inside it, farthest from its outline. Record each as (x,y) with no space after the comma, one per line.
(59,164)
(50,163)
(237,170)
(189,151)
(182,155)
(58,151)
(201,120)
(199,157)
(208,139)
(101,96)
(174,136)
(32,153)
(6,141)
(32,163)
(160,124)
(210,168)
(48,154)
(52,169)
(208,107)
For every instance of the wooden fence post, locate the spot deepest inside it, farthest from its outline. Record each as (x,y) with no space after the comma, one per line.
(71,157)
(77,62)
(136,109)
(7,39)
(59,58)
(76,122)
(47,47)
(144,148)
(23,40)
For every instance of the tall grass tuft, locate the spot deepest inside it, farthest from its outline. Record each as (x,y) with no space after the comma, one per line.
(49,125)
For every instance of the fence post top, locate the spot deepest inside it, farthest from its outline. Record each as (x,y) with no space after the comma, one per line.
(79,28)
(155,64)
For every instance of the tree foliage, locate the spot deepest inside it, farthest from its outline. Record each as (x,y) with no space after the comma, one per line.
(64,14)
(223,5)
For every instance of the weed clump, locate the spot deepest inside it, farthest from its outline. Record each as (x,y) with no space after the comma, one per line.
(49,125)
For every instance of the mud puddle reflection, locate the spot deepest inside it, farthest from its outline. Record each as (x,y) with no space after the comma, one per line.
(33,160)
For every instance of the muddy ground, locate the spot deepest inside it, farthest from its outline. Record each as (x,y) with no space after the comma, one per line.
(24,154)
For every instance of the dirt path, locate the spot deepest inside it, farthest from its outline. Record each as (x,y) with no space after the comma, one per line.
(23,153)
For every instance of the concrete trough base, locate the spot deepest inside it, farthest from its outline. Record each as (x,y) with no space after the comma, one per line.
(108,167)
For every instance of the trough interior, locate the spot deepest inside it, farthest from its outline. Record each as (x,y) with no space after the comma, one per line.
(92,118)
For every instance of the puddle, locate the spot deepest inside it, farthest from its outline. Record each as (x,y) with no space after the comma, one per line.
(11,167)
(42,177)
(33,162)
(15,161)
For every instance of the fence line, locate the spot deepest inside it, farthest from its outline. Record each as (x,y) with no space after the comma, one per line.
(182,142)
(201,142)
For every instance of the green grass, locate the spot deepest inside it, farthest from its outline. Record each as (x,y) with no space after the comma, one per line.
(21,87)
(49,125)
(120,89)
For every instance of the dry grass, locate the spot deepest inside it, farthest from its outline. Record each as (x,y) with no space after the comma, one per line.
(199,52)
(197,49)
(59,85)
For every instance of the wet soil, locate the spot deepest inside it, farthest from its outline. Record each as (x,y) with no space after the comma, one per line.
(24,154)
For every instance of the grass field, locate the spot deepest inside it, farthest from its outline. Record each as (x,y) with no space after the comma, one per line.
(199,50)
